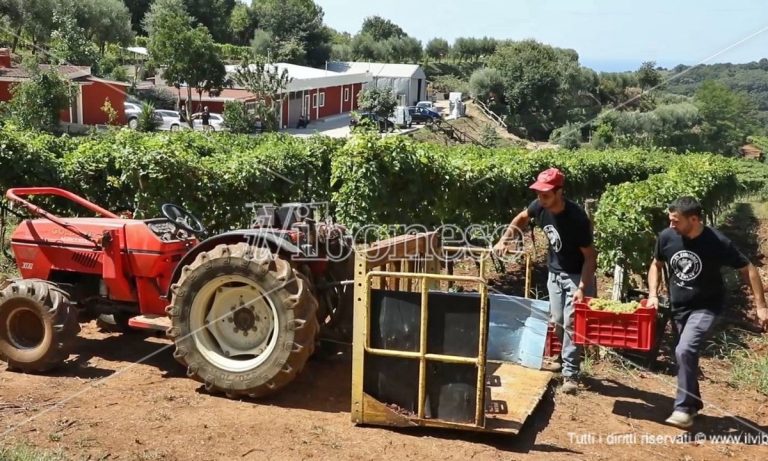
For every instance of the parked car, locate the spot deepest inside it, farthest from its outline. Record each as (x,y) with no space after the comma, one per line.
(422,115)
(216,121)
(427,105)
(383,124)
(171,120)
(132,111)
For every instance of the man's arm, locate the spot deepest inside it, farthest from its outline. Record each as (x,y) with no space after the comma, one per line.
(518,222)
(588,270)
(750,274)
(654,274)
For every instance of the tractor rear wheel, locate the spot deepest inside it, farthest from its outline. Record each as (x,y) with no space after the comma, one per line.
(38,326)
(243,320)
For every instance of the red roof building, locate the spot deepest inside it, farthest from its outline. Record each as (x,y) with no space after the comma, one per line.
(88,99)
(314,93)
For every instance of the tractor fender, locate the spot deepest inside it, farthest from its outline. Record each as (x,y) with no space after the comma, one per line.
(276,242)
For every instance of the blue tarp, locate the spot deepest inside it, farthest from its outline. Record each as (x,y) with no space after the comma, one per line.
(517,330)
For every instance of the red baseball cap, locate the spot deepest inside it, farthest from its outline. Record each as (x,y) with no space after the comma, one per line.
(548,180)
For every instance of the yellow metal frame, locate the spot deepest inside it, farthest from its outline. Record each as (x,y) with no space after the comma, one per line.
(422,355)
(394,267)
(411,263)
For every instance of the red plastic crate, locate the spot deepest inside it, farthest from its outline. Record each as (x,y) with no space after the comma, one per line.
(552,346)
(635,330)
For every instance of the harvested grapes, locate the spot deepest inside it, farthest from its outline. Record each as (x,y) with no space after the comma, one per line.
(608,305)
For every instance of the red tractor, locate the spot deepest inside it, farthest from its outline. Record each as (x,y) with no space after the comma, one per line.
(243,308)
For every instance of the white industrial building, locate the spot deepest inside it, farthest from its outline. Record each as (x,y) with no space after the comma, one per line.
(407,81)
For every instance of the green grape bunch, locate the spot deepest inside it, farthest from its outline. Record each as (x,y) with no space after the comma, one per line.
(613,306)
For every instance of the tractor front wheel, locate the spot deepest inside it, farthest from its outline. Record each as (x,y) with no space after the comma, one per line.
(38,326)
(243,321)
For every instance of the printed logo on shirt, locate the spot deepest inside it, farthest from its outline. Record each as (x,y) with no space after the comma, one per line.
(686,265)
(554,237)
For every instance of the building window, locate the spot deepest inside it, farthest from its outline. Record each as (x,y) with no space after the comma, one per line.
(322,99)
(346,94)
(314,100)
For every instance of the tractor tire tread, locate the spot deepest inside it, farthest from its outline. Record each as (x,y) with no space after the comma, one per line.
(54,307)
(290,291)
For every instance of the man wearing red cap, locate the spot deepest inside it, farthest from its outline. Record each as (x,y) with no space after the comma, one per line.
(572,261)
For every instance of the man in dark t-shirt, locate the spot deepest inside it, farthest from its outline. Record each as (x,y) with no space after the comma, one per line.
(572,261)
(694,254)
(206,118)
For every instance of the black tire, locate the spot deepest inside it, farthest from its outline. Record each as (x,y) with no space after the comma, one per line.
(114,323)
(38,326)
(292,306)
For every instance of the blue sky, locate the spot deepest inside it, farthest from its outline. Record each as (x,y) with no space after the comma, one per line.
(608,35)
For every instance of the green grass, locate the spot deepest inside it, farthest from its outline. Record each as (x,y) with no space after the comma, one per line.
(749,369)
(760,209)
(25,452)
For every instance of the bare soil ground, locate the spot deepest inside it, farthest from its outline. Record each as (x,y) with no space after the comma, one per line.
(474,124)
(105,405)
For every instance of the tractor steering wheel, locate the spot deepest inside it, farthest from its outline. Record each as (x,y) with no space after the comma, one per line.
(183,219)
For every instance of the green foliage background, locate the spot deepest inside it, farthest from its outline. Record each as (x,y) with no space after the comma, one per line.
(371,180)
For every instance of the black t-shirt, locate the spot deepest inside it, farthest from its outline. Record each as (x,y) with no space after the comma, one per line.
(694,268)
(567,232)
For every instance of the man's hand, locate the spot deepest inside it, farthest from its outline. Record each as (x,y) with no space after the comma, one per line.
(503,246)
(578,296)
(762,314)
(652,302)
(500,248)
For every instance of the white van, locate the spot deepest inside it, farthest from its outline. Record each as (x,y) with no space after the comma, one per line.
(401,117)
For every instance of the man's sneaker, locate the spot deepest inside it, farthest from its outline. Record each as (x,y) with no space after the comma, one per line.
(681,419)
(570,386)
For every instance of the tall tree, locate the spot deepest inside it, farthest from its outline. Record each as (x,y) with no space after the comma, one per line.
(36,103)
(267,82)
(404,49)
(486,83)
(186,54)
(380,101)
(242,23)
(340,38)
(209,73)
(727,117)
(466,48)
(69,44)
(214,15)
(36,20)
(544,86)
(648,75)
(531,75)
(437,49)
(381,29)
(14,11)
(138,9)
(297,29)
(104,21)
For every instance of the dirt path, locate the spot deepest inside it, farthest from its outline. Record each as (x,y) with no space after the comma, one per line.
(104,406)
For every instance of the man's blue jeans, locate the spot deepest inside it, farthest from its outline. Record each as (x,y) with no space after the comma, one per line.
(561,287)
(693,329)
